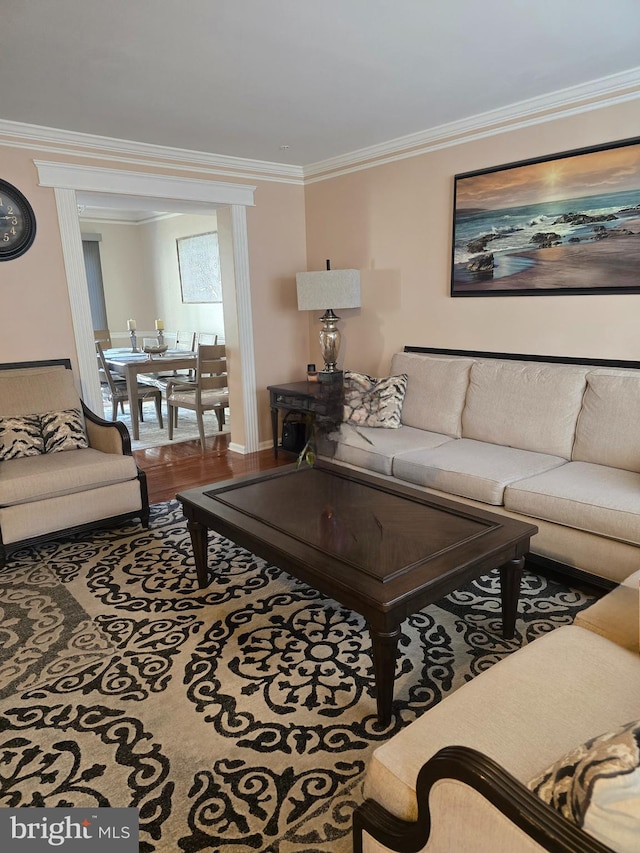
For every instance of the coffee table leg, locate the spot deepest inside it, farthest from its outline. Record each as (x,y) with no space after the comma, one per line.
(199,542)
(384,650)
(510,576)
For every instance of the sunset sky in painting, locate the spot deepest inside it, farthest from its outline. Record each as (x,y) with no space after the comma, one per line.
(598,172)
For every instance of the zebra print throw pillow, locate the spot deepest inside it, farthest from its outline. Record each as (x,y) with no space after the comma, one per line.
(20,436)
(597,786)
(31,435)
(373,402)
(63,430)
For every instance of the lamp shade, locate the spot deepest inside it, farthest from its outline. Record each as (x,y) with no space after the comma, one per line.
(318,291)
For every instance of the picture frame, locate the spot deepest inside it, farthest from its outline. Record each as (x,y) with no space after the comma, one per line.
(199,268)
(564,224)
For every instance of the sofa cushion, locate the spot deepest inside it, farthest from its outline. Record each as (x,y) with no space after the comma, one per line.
(526,405)
(597,786)
(436,391)
(524,712)
(25,521)
(63,430)
(374,449)
(20,436)
(601,500)
(53,474)
(371,402)
(26,391)
(616,615)
(472,469)
(607,430)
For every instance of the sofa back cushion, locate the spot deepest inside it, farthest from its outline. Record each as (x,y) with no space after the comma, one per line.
(607,431)
(532,406)
(436,390)
(37,390)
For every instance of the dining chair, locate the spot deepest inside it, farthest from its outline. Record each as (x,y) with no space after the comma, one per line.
(207,392)
(115,390)
(186,341)
(205,338)
(171,339)
(176,341)
(104,336)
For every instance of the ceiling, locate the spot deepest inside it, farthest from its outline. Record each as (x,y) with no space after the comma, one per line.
(294,81)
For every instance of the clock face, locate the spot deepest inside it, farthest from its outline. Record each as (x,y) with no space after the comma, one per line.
(17,222)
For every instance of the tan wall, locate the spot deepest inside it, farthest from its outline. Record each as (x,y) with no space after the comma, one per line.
(161,239)
(126,276)
(141,275)
(394,223)
(35,315)
(276,227)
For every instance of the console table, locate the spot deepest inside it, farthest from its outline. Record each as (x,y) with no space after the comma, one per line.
(315,398)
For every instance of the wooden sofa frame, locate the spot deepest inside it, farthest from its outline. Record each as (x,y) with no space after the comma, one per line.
(514,800)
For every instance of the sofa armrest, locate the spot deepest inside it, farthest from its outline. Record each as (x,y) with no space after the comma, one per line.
(107,436)
(498,790)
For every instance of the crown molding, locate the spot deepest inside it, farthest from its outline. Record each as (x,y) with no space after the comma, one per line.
(55,141)
(606,91)
(614,89)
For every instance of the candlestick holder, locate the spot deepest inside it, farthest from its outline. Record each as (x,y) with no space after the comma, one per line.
(160,338)
(134,341)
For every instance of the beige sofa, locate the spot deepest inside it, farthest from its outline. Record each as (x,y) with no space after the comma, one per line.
(555,443)
(74,473)
(552,442)
(456,778)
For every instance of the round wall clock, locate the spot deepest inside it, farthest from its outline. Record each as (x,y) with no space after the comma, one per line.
(17,222)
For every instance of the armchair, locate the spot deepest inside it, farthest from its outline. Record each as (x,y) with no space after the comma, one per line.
(467,801)
(63,469)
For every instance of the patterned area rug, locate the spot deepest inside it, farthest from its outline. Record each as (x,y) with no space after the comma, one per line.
(151,435)
(241,716)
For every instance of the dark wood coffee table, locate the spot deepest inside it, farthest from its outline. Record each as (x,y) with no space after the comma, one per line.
(381,549)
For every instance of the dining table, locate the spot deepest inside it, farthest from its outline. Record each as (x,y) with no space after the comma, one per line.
(130,365)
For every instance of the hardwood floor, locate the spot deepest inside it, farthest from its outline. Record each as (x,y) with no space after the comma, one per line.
(174,467)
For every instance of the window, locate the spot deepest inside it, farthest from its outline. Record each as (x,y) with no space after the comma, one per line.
(93,270)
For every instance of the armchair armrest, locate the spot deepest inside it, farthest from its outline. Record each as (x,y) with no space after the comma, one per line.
(107,436)
(180,384)
(495,785)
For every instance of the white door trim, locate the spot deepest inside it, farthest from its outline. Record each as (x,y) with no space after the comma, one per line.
(183,194)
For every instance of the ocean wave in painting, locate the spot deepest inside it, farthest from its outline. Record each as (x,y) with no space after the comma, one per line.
(507,232)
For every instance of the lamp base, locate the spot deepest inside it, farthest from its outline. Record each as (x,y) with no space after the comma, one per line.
(330,376)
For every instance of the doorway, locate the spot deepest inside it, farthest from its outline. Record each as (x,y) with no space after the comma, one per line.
(181,195)
(152,268)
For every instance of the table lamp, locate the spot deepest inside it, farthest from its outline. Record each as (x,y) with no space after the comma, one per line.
(326,290)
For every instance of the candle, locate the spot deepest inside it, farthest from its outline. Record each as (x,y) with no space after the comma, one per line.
(131,325)
(159,325)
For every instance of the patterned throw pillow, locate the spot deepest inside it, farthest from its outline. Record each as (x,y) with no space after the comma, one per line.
(20,436)
(373,402)
(63,430)
(597,786)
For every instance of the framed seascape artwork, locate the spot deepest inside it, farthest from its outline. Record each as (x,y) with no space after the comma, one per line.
(564,224)
(199,266)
